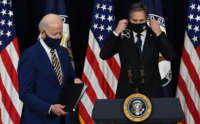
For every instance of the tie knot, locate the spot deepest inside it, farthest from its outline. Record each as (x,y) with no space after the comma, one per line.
(52,51)
(138,35)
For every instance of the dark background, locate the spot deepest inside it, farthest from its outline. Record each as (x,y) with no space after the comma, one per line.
(29,12)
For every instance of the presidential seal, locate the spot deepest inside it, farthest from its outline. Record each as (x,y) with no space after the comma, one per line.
(137,107)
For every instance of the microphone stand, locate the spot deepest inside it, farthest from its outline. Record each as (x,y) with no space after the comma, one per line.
(136,77)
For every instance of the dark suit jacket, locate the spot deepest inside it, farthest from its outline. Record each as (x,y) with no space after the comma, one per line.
(38,84)
(147,61)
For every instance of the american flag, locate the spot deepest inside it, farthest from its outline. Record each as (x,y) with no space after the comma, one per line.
(101,76)
(188,89)
(10,105)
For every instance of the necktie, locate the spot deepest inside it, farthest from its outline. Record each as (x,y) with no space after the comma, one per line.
(139,43)
(56,65)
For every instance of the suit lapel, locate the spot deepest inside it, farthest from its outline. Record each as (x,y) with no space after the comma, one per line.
(133,42)
(148,39)
(45,61)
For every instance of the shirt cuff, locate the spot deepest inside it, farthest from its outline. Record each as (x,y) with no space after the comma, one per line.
(49,112)
(116,34)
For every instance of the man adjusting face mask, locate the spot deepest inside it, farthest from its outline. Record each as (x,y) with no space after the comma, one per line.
(138,28)
(137,21)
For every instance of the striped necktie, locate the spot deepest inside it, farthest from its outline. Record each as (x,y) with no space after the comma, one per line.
(56,65)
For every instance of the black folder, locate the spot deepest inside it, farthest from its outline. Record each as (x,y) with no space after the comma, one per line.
(71,95)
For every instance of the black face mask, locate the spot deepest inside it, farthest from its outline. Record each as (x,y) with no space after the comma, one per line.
(138,28)
(52,43)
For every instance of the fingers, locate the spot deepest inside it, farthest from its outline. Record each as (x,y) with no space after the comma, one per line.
(155,26)
(121,26)
(77,81)
(58,109)
(124,21)
(154,22)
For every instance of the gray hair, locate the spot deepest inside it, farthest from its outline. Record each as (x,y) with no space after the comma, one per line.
(48,19)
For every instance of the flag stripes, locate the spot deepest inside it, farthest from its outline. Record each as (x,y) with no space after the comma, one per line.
(186,111)
(91,91)
(85,117)
(189,101)
(9,67)
(189,83)
(184,79)
(188,89)
(10,104)
(100,76)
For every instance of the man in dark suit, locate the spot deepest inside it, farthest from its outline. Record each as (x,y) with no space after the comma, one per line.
(138,46)
(43,70)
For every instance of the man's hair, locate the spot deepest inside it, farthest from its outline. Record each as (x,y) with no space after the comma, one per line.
(138,7)
(43,24)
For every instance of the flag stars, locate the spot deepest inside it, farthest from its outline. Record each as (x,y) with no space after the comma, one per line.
(192,6)
(10,13)
(109,28)
(197,18)
(189,27)
(8,34)
(4,2)
(103,7)
(9,23)
(100,37)
(95,26)
(110,18)
(101,27)
(198,7)
(110,8)
(1,32)
(96,16)
(2,22)
(3,12)
(102,17)
(196,28)
(195,39)
(1,43)
(191,16)
(98,6)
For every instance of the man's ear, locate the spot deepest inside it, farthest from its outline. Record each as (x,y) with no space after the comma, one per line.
(43,34)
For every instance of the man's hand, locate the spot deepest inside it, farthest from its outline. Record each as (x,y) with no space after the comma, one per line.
(77,81)
(155,26)
(57,109)
(121,26)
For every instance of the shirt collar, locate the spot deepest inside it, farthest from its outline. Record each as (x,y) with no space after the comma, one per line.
(47,49)
(143,34)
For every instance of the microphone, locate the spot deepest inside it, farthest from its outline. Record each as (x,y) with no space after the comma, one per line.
(142,75)
(130,76)
(135,76)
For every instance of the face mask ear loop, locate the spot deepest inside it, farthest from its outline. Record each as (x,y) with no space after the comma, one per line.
(45,32)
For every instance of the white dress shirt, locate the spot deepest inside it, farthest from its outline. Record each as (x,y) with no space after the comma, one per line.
(143,36)
(47,49)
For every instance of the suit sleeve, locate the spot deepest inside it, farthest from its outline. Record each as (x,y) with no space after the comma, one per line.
(27,76)
(110,47)
(165,47)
